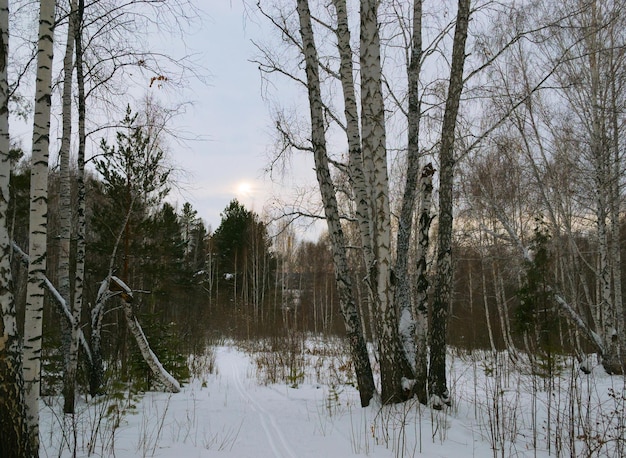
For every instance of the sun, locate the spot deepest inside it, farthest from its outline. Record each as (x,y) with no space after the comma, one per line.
(244,189)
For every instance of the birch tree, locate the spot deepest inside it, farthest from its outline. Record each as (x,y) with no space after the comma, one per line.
(79,271)
(443,279)
(368,174)
(38,219)
(597,77)
(374,152)
(135,177)
(358,348)
(14,427)
(65,218)
(570,142)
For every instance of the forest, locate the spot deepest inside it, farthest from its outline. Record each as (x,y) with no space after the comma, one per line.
(469,171)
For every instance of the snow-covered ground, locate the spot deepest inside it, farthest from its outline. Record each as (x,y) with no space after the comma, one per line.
(498,411)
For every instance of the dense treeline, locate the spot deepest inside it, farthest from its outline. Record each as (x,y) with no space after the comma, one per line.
(238,281)
(231,282)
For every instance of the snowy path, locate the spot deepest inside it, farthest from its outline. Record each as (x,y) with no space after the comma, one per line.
(277,442)
(227,414)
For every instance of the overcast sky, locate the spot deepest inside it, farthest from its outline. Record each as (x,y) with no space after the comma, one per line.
(226,115)
(231,114)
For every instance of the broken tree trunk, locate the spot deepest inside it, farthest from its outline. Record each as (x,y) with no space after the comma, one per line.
(166,379)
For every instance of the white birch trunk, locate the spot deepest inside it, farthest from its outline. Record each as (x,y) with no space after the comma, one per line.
(64,308)
(33,319)
(166,379)
(498,289)
(374,149)
(358,180)
(492,342)
(358,348)
(601,155)
(13,427)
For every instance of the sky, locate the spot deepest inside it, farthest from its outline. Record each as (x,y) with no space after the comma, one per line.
(226,127)
(234,121)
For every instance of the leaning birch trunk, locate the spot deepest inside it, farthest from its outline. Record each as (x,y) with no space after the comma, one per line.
(405,224)
(356,339)
(391,356)
(96,375)
(443,279)
(13,427)
(65,217)
(566,308)
(33,319)
(64,309)
(166,379)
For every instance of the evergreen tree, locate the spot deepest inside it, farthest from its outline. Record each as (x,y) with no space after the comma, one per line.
(134,181)
(163,255)
(244,259)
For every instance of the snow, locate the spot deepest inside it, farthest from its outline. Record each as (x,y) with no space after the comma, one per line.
(233,412)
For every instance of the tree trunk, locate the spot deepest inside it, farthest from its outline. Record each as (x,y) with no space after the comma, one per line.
(393,363)
(503,316)
(33,319)
(96,371)
(14,426)
(358,180)
(358,347)
(492,342)
(615,210)
(166,379)
(405,224)
(601,156)
(421,298)
(357,176)
(65,218)
(443,280)
(79,274)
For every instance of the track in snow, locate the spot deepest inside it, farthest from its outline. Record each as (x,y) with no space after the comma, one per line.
(274,435)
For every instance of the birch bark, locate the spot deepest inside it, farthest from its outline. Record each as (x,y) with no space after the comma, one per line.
(358,348)
(443,279)
(601,157)
(374,149)
(405,224)
(79,274)
(166,379)
(357,177)
(420,304)
(13,427)
(33,319)
(358,181)
(65,217)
